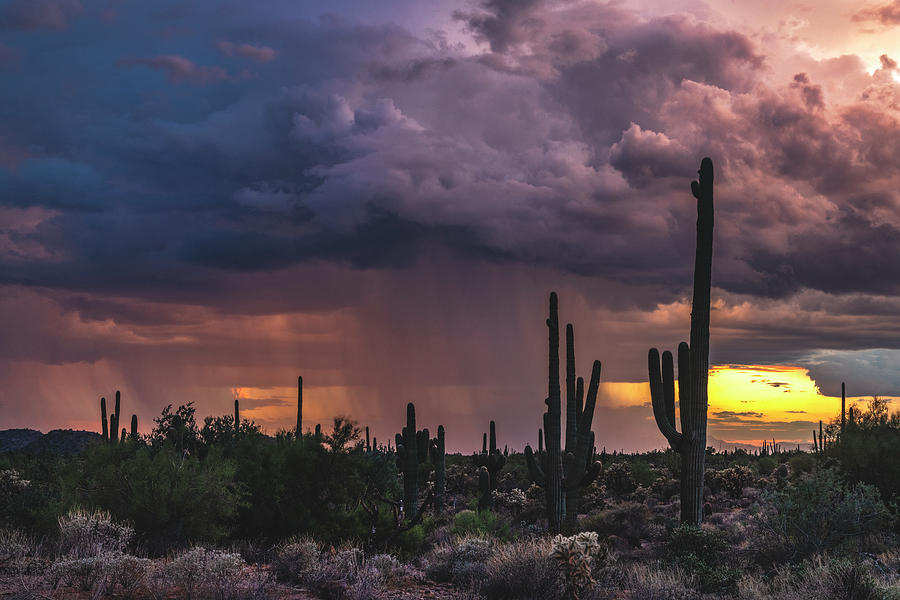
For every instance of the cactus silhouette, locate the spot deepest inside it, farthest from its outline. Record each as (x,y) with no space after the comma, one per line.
(438,459)
(134,427)
(693,366)
(298,432)
(484,489)
(412,449)
(103,422)
(490,457)
(564,472)
(237,416)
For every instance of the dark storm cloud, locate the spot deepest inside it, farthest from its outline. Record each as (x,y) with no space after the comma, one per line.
(189,162)
(27,15)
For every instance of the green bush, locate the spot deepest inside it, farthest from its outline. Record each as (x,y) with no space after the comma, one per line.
(817,513)
(802,463)
(766,465)
(704,554)
(472,522)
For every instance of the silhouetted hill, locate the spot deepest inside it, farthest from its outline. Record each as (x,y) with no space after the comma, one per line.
(12,440)
(58,441)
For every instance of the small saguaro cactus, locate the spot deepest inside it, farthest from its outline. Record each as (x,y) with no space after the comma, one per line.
(438,460)
(103,422)
(124,435)
(368,447)
(118,408)
(134,427)
(484,489)
(490,457)
(237,416)
(565,471)
(693,365)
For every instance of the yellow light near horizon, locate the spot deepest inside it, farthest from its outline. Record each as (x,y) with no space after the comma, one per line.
(779,392)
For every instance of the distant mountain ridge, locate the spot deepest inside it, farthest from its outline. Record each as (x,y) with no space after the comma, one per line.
(57,441)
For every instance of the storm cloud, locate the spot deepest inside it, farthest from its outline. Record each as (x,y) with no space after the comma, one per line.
(186,184)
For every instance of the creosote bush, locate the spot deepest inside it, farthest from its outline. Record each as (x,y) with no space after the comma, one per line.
(295,559)
(522,570)
(654,582)
(461,562)
(207,573)
(83,534)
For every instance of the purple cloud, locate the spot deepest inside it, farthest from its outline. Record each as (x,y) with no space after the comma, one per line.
(257,53)
(179,69)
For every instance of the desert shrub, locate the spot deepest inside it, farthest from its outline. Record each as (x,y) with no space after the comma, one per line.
(618,479)
(522,570)
(822,578)
(765,465)
(295,559)
(705,555)
(664,487)
(84,533)
(462,563)
(654,582)
(867,449)
(471,522)
(643,474)
(19,553)
(802,463)
(13,496)
(207,573)
(816,513)
(731,480)
(345,575)
(392,571)
(513,500)
(630,521)
(101,573)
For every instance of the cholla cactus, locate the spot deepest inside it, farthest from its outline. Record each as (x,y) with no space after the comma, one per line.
(575,556)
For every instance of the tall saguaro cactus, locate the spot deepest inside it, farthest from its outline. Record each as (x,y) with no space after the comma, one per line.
(408,458)
(563,472)
(134,427)
(693,365)
(491,457)
(237,416)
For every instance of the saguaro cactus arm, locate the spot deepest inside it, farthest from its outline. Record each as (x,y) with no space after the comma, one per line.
(662,395)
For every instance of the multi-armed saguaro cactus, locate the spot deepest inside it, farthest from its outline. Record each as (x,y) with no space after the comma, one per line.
(693,366)
(412,450)
(490,457)
(438,460)
(564,472)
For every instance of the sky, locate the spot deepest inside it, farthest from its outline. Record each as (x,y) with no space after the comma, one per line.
(200,201)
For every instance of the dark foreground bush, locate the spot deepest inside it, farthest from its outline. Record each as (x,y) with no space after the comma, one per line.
(704,554)
(815,514)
